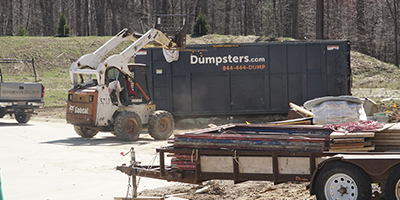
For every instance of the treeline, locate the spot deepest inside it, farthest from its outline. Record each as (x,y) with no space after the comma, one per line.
(371,25)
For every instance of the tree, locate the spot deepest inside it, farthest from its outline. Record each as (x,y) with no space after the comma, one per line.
(22,31)
(394,14)
(100,7)
(227,17)
(47,14)
(201,25)
(360,25)
(63,28)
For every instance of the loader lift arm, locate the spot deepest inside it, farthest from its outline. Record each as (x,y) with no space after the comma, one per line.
(91,63)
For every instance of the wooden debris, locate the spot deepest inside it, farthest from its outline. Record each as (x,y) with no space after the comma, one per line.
(387,138)
(360,149)
(352,135)
(300,109)
(347,140)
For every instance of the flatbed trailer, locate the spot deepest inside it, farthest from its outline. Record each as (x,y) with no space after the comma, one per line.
(346,175)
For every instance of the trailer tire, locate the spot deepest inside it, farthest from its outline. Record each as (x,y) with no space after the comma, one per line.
(22,118)
(342,179)
(392,190)
(85,132)
(127,126)
(161,125)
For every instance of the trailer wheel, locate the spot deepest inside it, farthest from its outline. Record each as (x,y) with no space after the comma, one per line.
(22,118)
(85,132)
(392,188)
(127,126)
(342,180)
(161,125)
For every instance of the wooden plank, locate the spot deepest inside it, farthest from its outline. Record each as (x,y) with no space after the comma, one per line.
(334,135)
(384,148)
(386,142)
(351,145)
(389,128)
(361,149)
(347,140)
(387,134)
(230,136)
(306,120)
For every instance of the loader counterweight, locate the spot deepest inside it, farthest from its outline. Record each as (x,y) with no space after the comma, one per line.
(81,107)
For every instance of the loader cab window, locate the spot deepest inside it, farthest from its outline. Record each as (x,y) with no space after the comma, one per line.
(116,80)
(112,74)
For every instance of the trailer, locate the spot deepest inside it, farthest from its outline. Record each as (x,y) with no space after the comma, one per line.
(332,175)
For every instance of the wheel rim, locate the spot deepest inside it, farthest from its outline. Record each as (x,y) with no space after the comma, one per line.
(341,186)
(131,126)
(164,125)
(397,188)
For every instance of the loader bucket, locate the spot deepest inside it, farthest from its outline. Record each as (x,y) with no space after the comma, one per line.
(174,26)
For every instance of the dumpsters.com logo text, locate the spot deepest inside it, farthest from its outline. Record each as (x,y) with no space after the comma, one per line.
(228,59)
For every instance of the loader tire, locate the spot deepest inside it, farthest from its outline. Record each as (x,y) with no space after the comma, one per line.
(85,132)
(127,126)
(22,118)
(161,125)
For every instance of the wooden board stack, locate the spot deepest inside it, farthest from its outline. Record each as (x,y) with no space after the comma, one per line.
(351,142)
(286,138)
(388,138)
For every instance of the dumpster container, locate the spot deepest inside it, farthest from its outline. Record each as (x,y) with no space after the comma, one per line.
(256,78)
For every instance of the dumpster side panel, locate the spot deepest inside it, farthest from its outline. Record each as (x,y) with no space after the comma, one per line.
(246,78)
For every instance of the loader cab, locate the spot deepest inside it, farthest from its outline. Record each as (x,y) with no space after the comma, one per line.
(120,86)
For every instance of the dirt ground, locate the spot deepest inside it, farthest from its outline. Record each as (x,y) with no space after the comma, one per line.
(222,189)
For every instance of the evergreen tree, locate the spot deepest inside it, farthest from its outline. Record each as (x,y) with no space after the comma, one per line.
(22,31)
(201,26)
(63,28)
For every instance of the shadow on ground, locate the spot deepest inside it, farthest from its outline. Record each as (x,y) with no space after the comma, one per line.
(99,141)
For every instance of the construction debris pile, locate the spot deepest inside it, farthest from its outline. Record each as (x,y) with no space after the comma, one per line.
(287,138)
(340,124)
(353,136)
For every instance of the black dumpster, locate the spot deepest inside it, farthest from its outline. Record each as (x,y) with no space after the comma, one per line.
(256,78)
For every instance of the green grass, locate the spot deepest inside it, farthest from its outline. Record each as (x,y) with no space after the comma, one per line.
(53,58)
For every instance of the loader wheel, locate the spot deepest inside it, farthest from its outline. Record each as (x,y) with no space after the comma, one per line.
(392,188)
(22,118)
(342,180)
(127,126)
(85,132)
(161,125)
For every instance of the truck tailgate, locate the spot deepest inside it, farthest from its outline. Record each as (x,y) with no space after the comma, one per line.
(20,91)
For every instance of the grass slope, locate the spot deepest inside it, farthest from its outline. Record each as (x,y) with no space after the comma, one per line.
(53,57)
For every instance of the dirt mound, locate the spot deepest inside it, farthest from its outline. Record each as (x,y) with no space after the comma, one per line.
(220,190)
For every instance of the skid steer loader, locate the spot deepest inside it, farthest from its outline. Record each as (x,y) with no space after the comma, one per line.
(104,96)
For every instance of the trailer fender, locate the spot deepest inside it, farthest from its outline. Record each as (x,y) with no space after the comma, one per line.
(318,170)
(372,164)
